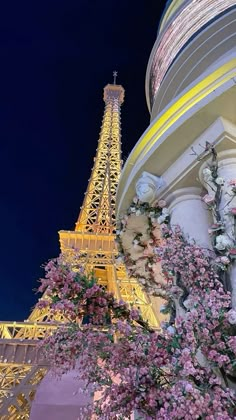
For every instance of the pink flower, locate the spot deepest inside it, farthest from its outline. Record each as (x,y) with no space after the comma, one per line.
(224,260)
(135,314)
(176,291)
(232,182)
(208,199)
(233,211)
(188,388)
(162,203)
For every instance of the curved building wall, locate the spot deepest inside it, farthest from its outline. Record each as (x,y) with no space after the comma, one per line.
(171,9)
(216,41)
(185,22)
(208,99)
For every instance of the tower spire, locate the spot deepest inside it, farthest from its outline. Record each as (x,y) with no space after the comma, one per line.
(98,211)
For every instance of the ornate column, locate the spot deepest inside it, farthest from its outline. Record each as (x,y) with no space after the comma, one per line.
(185,206)
(189,212)
(226,241)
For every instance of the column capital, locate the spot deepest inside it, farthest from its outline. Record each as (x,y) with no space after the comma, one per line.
(183,194)
(226,158)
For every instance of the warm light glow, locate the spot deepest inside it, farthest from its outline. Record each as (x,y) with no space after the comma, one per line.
(174,112)
(192,18)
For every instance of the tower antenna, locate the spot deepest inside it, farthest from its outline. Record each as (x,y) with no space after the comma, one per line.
(115,73)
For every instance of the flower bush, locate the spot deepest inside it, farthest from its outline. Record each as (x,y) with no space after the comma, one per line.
(187,370)
(178,373)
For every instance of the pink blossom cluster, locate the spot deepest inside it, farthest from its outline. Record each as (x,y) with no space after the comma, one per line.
(78,296)
(159,374)
(208,324)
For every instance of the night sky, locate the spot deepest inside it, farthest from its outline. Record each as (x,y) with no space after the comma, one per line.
(56,57)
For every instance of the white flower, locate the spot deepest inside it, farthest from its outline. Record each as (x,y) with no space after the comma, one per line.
(152,213)
(224,260)
(165,211)
(222,242)
(161,219)
(118,232)
(207,175)
(231,315)
(138,212)
(188,303)
(171,330)
(135,242)
(142,280)
(220,181)
(154,220)
(164,325)
(132,209)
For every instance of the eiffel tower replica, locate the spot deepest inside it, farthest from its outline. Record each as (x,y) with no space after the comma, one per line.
(22,366)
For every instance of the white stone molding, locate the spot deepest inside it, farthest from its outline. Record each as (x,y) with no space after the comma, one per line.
(147,187)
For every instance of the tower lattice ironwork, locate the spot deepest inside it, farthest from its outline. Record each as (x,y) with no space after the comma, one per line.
(21,364)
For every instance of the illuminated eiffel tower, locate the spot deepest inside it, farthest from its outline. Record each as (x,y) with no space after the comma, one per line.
(21,363)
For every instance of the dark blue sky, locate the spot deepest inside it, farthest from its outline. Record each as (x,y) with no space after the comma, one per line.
(56,56)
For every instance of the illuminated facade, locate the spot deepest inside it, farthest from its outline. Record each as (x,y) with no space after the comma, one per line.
(191,92)
(21,364)
(182,21)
